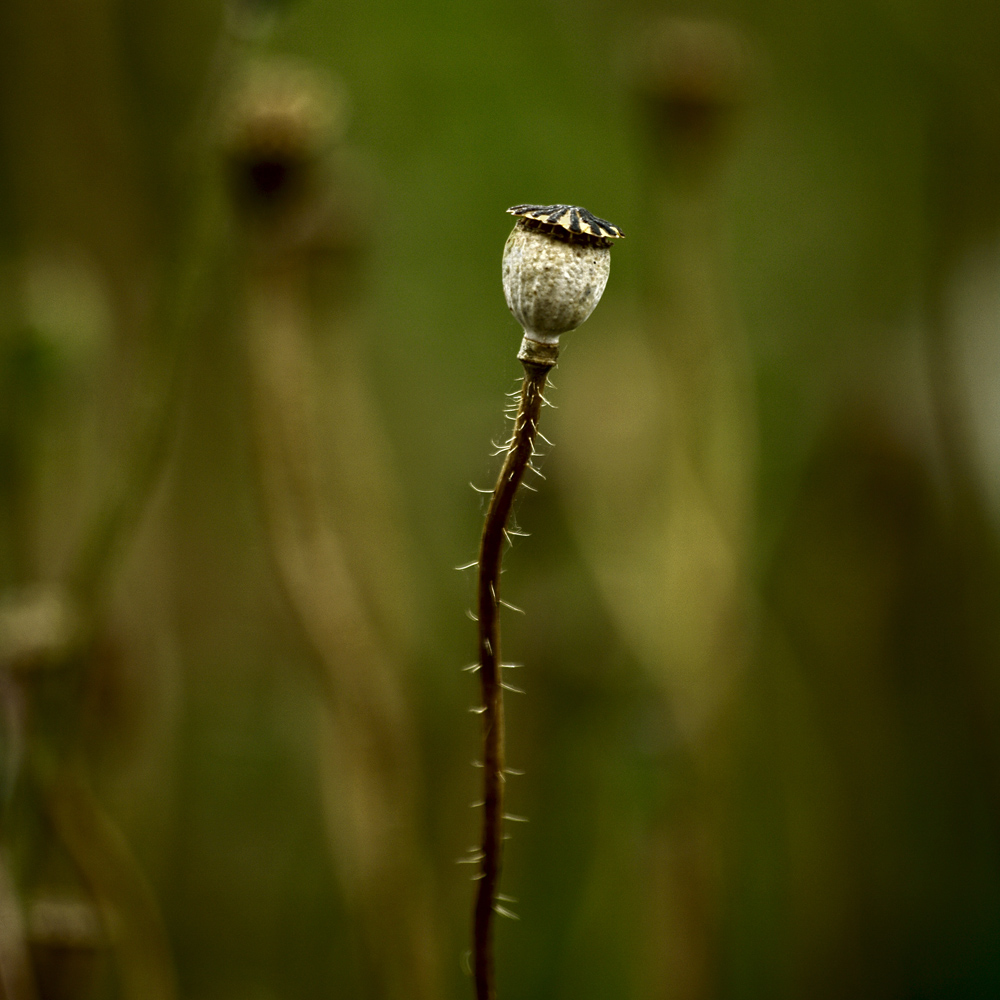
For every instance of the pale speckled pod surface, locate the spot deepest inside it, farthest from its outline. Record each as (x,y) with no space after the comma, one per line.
(552,286)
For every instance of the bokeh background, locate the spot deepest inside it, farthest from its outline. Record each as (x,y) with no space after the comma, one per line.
(253,349)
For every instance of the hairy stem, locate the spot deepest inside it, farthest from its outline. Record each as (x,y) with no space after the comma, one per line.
(537,360)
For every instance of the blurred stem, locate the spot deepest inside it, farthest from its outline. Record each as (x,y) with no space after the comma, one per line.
(373,761)
(114,877)
(191,261)
(307,552)
(128,905)
(537,360)
(185,287)
(17,981)
(947,398)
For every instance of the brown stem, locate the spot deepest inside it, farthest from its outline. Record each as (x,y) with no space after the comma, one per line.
(17,979)
(369,738)
(537,360)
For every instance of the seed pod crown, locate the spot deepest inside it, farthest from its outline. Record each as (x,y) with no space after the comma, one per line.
(567,222)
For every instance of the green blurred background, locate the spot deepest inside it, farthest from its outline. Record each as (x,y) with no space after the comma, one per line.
(253,348)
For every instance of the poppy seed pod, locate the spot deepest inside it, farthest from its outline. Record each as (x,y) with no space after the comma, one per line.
(277,129)
(555,267)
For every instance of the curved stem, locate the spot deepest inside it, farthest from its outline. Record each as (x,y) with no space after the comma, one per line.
(537,360)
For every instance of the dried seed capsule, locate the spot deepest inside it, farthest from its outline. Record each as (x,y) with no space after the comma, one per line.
(277,128)
(555,267)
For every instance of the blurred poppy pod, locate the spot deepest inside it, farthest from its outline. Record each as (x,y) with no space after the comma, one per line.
(693,79)
(275,132)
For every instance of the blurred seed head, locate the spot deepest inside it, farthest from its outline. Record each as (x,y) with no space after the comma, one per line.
(65,921)
(36,626)
(68,947)
(279,125)
(693,78)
